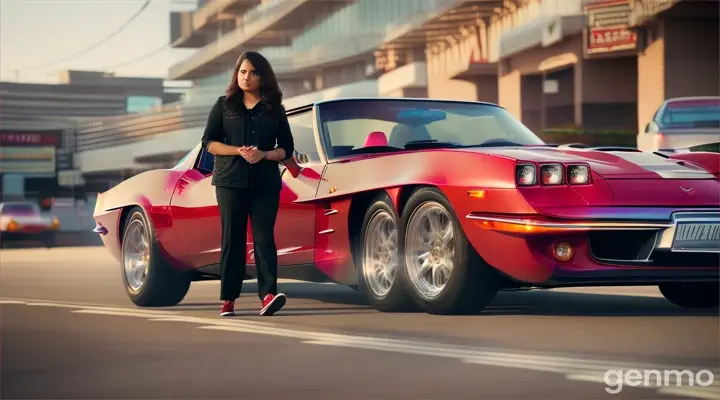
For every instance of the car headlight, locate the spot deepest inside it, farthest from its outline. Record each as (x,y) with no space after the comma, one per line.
(55,224)
(12,226)
(578,174)
(525,175)
(551,174)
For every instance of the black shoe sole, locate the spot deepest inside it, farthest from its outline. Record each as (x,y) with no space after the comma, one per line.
(275,306)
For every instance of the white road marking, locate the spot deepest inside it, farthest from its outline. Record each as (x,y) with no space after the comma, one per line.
(571,368)
(641,291)
(117,313)
(585,378)
(12,302)
(146,312)
(711,393)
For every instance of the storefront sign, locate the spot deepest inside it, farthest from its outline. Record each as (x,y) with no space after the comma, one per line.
(609,27)
(64,159)
(19,160)
(30,138)
(70,178)
(605,40)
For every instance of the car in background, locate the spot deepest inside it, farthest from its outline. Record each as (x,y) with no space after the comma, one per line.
(22,220)
(682,122)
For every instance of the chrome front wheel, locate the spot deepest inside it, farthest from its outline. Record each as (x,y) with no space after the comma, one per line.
(136,254)
(380,253)
(430,249)
(150,280)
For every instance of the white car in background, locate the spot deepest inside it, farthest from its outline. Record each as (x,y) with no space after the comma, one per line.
(681,123)
(22,220)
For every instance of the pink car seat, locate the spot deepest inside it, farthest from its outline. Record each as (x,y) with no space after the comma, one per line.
(376,138)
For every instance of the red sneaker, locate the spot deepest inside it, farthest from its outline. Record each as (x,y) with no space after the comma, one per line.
(228,309)
(272,304)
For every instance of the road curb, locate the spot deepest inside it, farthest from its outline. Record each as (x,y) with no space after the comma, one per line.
(62,239)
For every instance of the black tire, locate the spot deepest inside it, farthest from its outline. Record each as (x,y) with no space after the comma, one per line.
(692,294)
(49,240)
(163,285)
(472,284)
(396,298)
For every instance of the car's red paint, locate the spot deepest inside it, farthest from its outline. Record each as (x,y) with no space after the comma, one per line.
(313,222)
(706,160)
(155,191)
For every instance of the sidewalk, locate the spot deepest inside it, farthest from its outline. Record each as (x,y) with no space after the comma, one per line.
(64,239)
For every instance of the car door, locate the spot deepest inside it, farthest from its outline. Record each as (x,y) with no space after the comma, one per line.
(195,213)
(295,226)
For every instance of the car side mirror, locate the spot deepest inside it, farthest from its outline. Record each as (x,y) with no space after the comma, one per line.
(652,127)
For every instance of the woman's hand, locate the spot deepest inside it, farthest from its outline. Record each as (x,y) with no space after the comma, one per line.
(251,154)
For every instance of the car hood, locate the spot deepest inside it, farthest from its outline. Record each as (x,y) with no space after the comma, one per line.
(608,164)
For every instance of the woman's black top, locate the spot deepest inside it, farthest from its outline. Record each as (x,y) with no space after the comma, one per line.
(230,122)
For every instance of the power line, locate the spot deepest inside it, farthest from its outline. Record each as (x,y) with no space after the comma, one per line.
(94,46)
(138,58)
(113,67)
(131,61)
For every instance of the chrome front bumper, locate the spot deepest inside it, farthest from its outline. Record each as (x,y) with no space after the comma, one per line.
(664,238)
(667,236)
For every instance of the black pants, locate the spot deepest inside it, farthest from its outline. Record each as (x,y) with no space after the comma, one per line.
(235,206)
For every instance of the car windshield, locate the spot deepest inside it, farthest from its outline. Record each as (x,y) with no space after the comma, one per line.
(701,113)
(362,126)
(182,160)
(19,208)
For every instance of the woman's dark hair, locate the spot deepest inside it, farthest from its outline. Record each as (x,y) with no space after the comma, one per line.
(269,89)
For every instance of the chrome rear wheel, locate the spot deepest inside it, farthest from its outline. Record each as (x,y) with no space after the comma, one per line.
(380,253)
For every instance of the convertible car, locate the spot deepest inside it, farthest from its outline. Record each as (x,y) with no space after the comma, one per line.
(435,205)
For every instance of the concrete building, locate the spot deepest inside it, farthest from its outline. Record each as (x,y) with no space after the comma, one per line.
(597,65)
(38,121)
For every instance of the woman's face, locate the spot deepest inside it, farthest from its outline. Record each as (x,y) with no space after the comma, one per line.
(248,78)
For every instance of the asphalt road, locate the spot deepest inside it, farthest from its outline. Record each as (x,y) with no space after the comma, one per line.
(69,331)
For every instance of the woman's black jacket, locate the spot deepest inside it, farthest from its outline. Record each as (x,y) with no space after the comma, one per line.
(230,122)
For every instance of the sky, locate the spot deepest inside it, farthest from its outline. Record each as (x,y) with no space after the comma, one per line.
(34,34)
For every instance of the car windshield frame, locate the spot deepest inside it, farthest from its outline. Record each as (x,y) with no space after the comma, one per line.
(21,208)
(185,157)
(447,121)
(694,107)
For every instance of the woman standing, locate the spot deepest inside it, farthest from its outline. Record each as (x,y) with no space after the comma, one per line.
(248,133)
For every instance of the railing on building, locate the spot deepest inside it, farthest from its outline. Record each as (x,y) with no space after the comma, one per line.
(251,23)
(115,131)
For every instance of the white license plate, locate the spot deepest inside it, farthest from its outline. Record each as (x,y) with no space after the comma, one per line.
(694,236)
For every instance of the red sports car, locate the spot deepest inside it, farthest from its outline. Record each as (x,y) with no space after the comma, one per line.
(437,205)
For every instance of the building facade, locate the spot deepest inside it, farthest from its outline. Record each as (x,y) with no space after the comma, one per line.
(573,64)
(591,64)
(38,122)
